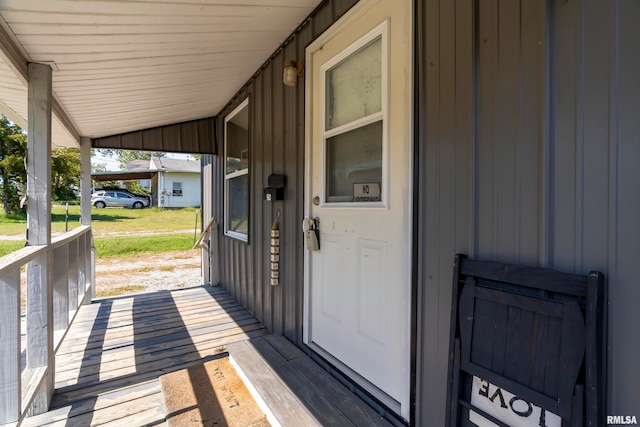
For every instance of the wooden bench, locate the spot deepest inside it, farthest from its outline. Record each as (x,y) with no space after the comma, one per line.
(526,347)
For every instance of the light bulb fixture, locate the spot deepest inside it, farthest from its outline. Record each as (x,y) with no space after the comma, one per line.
(292,71)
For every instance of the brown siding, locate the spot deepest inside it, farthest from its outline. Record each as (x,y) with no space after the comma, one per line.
(276,146)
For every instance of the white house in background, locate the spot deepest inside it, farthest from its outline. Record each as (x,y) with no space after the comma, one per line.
(174,183)
(177,183)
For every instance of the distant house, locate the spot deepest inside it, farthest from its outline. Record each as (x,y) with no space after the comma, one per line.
(177,183)
(173,183)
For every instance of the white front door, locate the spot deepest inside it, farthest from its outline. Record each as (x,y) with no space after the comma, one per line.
(358,177)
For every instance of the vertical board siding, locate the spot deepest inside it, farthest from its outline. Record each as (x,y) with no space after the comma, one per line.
(267,78)
(444,145)
(194,136)
(505,91)
(528,155)
(564,148)
(258,176)
(434,217)
(531,136)
(276,146)
(289,216)
(510,72)
(486,70)
(624,205)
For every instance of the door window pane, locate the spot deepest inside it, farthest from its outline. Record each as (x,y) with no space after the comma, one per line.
(354,86)
(354,157)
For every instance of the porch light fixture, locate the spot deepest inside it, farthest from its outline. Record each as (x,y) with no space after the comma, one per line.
(292,71)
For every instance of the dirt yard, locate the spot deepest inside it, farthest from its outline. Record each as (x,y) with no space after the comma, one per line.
(148,272)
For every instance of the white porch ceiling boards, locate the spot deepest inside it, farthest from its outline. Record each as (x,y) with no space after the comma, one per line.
(123,65)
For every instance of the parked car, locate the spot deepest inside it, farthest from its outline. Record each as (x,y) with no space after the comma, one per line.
(124,190)
(117,198)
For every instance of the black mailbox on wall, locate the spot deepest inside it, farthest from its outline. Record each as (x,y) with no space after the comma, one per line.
(275,189)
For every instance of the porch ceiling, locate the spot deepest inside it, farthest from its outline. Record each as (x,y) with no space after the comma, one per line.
(125,65)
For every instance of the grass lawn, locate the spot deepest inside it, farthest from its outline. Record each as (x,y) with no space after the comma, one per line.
(109,220)
(13,225)
(118,246)
(8,247)
(172,229)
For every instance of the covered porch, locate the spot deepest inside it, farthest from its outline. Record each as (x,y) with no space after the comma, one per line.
(108,366)
(74,76)
(519,144)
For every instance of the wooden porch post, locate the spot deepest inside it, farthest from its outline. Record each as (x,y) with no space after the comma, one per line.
(85,216)
(40,353)
(85,181)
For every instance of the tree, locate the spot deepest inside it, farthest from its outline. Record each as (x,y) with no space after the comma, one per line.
(138,189)
(13,174)
(65,171)
(126,156)
(65,168)
(100,167)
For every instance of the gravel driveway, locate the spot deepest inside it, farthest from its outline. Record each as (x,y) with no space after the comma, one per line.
(154,271)
(145,272)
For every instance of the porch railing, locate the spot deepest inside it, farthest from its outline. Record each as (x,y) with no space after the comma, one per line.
(66,268)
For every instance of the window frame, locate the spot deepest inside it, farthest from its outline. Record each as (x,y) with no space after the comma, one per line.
(174,189)
(381,31)
(236,174)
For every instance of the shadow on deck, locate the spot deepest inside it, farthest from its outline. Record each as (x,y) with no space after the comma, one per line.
(108,367)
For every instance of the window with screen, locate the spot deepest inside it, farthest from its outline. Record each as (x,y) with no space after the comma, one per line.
(236,188)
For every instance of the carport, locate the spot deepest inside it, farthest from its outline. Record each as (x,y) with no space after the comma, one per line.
(123,175)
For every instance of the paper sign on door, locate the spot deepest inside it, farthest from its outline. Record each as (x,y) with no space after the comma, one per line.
(366,191)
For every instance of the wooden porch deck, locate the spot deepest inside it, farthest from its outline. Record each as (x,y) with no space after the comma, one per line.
(108,366)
